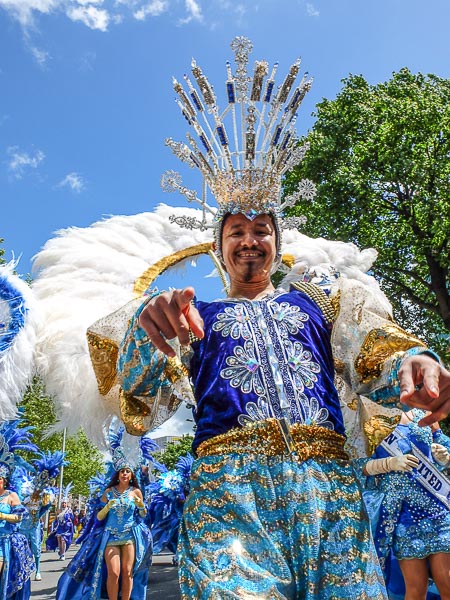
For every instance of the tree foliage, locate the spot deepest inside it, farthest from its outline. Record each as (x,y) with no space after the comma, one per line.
(379,155)
(2,252)
(83,457)
(175,450)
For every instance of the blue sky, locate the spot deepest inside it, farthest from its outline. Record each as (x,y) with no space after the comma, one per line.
(86,97)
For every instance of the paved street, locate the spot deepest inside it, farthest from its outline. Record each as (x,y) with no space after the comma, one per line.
(163,582)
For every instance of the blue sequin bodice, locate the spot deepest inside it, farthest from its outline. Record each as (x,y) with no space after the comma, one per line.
(263,358)
(121,516)
(5,527)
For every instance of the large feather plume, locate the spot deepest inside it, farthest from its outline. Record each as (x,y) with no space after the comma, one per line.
(50,463)
(115,435)
(66,491)
(18,321)
(17,437)
(85,274)
(148,446)
(21,482)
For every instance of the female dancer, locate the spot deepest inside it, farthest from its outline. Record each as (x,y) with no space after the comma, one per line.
(16,559)
(121,498)
(119,540)
(62,531)
(413,525)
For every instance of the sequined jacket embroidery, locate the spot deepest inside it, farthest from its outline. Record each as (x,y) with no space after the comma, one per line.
(260,359)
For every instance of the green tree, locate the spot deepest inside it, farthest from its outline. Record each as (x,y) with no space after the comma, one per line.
(174,451)
(83,457)
(379,155)
(2,252)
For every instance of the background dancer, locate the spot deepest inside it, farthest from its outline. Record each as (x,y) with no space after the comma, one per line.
(62,532)
(16,559)
(38,493)
(118,539)
(167,496)
(412,524)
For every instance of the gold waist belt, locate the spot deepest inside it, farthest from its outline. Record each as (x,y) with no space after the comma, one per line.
(274,437)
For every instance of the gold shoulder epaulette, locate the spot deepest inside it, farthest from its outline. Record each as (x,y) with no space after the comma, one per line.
(318,296)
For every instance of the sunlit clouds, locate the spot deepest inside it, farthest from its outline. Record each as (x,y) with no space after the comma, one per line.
(20,163)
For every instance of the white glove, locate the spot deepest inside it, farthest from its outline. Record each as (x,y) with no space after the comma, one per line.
(404,462)
(440,454)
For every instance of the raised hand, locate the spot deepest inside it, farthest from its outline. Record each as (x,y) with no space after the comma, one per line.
(425,384)
(171,315)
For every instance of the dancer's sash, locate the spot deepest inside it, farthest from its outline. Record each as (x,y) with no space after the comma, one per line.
(426,473)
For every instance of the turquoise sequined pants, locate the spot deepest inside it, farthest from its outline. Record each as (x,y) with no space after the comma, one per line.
(257,527)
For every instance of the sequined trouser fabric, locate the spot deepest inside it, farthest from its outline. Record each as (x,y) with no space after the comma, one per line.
(257,527)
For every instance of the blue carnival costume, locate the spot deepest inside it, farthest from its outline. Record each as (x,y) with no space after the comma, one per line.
(411,522)
(271,360)
(167,497)
(62,527)
(18,562)
(31,527)
(37,494)
(86,573)
(85,576)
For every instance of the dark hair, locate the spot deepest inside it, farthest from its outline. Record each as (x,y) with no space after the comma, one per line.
(115,479)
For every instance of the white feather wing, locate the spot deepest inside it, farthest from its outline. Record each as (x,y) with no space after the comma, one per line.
(83,274)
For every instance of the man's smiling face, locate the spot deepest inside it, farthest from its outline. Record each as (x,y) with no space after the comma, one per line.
(248,247)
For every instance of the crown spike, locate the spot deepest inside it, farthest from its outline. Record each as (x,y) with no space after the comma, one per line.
(203,84)
(246,150)
(241,47)
(261,70)
(288,82)
(194,95)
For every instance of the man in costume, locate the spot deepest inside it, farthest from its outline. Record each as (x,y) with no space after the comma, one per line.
(274,509)
(279,375)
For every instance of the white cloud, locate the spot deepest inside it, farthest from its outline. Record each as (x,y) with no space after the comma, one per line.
(74,181)
(311,10)
(23,10)
(100,15)
(93,17)
(40,56)
(20,162)
(194,11)
(87,61)
(152,9)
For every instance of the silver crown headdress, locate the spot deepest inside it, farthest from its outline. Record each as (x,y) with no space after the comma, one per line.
(243,167)
(129,457)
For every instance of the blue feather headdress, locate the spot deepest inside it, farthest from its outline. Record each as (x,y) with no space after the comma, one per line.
(13,438)
(98,484)
(123,457)
(66,492)
(48,467)
(118,457)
